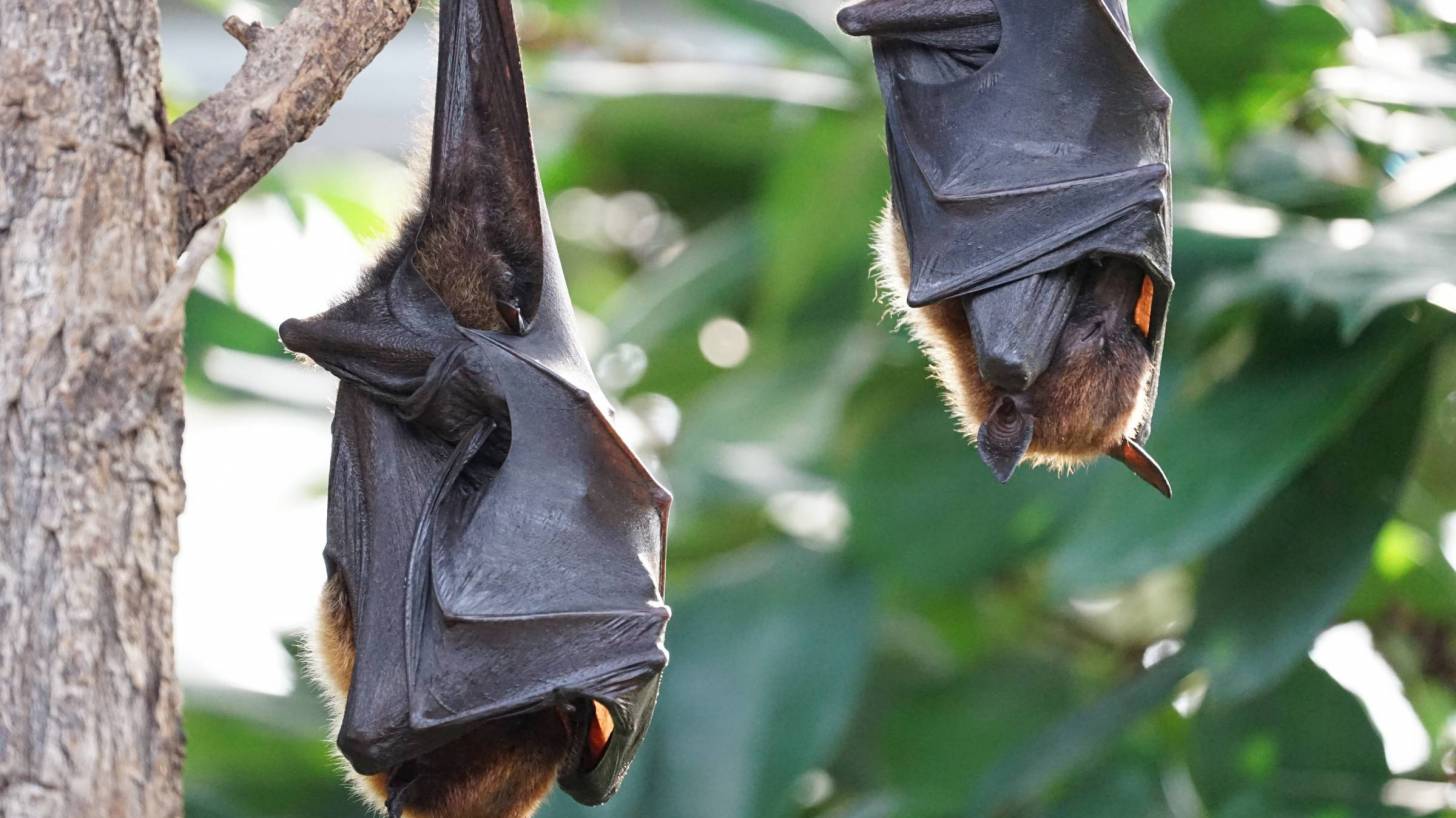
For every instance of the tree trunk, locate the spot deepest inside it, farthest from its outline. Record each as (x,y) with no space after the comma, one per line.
(90,413)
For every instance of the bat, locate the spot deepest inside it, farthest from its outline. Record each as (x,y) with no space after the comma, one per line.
(1026,237)
(493,619)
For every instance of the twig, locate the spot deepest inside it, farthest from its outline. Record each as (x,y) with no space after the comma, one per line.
(165,313)
(292,76)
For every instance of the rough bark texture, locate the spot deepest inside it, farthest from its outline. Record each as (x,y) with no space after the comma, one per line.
(91,209)
(91,416)
(292,77)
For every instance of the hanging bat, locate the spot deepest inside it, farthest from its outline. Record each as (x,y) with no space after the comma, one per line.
(1026,239)
(493,619)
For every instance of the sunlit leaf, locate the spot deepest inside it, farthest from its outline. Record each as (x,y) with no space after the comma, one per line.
(1304,748)
(1362,269)
(1259,62)
(214,323)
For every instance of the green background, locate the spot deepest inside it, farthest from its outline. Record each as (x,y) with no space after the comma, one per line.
(939,645)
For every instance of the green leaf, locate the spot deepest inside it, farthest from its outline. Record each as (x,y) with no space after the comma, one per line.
(1403,257)
(703,156)
(1263,599)
(1027,772)
(779,416)
(767,664)
(214,323)
(1247,61)
(1304,748)
(927,755)
(238,767)
(1226,451)
(912,471)
(1124,787)
(815,218)
(693,287)
(1266,596)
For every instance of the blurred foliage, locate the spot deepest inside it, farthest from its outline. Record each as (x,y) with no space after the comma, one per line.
(865,624)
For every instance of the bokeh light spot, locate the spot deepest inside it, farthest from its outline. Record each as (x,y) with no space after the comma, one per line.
(724,342)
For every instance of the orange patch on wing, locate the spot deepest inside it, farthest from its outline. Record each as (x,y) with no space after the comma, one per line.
(599,733)
(1142,315)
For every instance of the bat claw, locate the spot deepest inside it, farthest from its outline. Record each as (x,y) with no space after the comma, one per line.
(1142,464)
(510,312)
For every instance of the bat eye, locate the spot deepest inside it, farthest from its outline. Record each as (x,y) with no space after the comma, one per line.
(1142,314)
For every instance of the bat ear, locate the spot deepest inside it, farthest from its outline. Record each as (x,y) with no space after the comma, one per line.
(1137,459)
(1004,438)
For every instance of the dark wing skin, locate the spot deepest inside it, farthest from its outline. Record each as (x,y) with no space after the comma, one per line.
(480,120)
(501,546)
(1019,148)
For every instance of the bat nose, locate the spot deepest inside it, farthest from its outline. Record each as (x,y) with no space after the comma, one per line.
(1015,327)
(1007,370)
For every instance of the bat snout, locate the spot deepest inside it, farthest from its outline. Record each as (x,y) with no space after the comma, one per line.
(1008,370)
(1004,438)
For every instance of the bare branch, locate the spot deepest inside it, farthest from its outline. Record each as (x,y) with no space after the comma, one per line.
(292,76)
(165,314)
(246,33)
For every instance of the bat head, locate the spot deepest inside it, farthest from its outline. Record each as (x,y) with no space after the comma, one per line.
(1053,369)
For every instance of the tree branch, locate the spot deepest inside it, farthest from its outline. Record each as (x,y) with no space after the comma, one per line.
(292,76)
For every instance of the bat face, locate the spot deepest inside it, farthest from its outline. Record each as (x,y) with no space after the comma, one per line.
(1027,241)
(1089,397)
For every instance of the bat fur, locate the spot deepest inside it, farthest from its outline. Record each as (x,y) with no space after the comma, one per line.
(1088,401)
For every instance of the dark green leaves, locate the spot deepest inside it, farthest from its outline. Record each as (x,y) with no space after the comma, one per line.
(1227,450)
(767,663)
(1247,61)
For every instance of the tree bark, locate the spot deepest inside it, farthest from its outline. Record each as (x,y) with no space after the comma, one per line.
(94,195)
(91,412)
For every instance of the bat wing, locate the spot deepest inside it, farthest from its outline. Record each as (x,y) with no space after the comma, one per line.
(1057,148)
(548,589)
(480,122)
(490,575)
